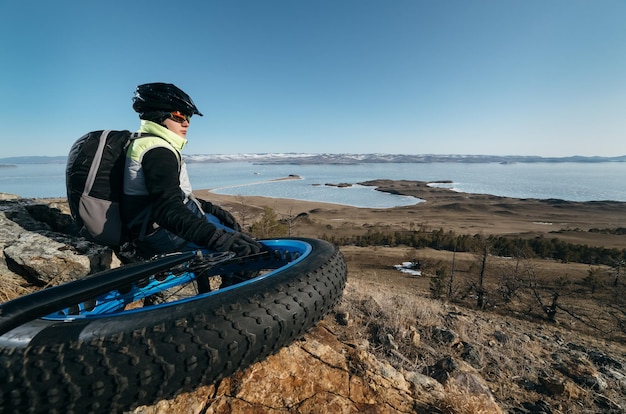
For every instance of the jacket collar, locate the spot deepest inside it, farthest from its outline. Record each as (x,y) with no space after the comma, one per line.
(175,140)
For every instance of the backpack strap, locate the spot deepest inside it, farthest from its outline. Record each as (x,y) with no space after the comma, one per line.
(93,170)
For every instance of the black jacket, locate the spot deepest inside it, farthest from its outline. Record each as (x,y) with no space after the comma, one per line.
(161,173)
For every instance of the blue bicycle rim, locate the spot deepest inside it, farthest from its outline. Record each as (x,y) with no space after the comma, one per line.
(113,303)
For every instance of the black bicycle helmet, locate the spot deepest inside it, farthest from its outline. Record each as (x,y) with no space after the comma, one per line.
(155,98)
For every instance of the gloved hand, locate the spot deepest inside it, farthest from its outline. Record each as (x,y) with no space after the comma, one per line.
(239,243)
(224,216)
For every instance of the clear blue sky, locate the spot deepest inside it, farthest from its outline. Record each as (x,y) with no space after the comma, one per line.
(503,77)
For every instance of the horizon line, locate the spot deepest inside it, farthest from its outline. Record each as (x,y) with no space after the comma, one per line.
(354,154)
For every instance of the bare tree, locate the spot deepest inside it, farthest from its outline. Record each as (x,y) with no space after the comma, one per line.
(618,268)
(289,219)
(550,310)
(451,281)
(616,306)
(510,281)
(480,300)
(533,285)
(592,280)
(245,212)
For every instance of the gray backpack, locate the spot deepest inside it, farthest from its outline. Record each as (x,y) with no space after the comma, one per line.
(95,182)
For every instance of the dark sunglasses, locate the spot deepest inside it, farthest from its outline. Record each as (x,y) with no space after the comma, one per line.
(180,117)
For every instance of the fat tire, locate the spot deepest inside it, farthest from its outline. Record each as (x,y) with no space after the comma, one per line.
(117,363)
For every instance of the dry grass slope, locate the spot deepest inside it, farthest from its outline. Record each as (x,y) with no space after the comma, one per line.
(524,359)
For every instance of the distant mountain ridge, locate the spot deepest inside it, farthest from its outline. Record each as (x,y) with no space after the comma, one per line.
(304,158)
(327,158)
(33,160)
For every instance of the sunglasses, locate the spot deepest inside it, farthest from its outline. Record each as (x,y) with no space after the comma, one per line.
(180,117)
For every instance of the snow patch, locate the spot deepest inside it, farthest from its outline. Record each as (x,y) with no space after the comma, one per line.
(410,268)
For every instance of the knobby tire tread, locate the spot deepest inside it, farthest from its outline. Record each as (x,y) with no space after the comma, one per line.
(116,364)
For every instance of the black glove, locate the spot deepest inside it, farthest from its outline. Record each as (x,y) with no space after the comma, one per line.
(223,216)
(239,243)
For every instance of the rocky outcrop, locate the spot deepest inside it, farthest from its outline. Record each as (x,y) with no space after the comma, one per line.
(40,244)
(357,359)
(322,374)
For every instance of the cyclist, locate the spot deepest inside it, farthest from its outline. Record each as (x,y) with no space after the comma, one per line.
(158,202)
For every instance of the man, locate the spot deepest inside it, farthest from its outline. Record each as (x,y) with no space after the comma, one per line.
(158,206)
